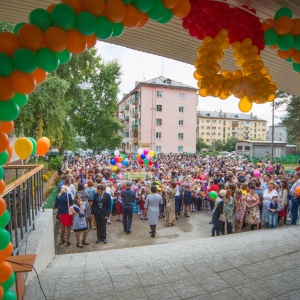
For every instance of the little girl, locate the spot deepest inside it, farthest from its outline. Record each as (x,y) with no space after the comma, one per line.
(119,211)
(142,200)
(205,202)
(240,210)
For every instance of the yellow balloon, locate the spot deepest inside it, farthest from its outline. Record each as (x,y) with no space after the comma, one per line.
(43,138)
(115,168)
(151,153)
(23,147)
(204,92)
(245,105)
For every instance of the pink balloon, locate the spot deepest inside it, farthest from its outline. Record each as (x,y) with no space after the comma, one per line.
(148,156)
(116,158)
(256,173)
(146,151)
(119,165)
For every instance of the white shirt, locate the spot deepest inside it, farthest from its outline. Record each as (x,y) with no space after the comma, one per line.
(296,184)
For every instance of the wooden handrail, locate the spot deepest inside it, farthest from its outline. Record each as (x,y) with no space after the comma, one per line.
(10,187)
(21,166)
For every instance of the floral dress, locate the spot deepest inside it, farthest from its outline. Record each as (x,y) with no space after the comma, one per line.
(253,213)
(229,209)
(240,209)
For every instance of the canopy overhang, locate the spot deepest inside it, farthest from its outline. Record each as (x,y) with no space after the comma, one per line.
(172,41)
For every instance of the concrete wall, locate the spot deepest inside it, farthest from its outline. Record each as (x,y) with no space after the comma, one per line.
(280,134)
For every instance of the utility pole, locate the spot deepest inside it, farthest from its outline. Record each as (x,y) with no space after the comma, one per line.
(272,138)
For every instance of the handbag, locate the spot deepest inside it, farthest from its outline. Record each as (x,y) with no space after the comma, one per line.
(70,208)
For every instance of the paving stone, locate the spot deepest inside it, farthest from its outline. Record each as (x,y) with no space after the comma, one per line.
(189,288)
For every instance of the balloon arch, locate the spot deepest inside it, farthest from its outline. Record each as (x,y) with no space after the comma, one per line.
(52,35)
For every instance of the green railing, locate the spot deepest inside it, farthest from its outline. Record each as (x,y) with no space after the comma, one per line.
(288,159)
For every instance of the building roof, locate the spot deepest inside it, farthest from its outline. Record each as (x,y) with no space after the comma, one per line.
(228,115)
(262,142)
(278,125)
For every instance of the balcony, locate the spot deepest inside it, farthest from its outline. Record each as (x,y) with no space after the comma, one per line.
(234,130)
(135,115)
(135,140)
(247,125)
(121,120)
(126,107)
(134,127)
(126,118)
(135,101)
(235,124)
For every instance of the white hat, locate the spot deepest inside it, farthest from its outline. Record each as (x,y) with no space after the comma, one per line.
(222,193)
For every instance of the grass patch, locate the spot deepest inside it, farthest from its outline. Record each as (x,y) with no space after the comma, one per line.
(289,167)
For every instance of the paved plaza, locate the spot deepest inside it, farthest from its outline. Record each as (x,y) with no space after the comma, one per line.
(262,264)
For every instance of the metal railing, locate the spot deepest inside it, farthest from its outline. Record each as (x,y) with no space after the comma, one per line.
(24,197)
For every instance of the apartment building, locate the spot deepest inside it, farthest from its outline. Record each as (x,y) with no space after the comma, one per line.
(159,114)
(213,125)
(280,133)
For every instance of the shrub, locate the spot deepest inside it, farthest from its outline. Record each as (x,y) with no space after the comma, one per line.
(55,163)
(45,177)
(49,174)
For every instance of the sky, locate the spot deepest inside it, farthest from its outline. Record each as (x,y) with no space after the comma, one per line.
(141,66)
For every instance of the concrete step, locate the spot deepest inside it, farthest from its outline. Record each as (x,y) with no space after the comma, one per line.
(262,264)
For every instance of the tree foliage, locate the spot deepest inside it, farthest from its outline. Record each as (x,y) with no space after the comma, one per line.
(201,144)
(230,144)
(5,26)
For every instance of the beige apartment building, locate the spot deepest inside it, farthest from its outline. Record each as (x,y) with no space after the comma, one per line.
(160,115)
(213,125)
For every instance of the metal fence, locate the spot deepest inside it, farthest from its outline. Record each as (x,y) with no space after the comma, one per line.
(24,198)
(288,159)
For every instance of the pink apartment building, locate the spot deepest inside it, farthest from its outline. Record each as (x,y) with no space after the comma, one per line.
(161,115)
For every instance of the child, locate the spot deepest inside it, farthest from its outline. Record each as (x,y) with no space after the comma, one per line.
(218,214)
(273,208)
(193,202)
(119,211)
(205,202)
(199,200)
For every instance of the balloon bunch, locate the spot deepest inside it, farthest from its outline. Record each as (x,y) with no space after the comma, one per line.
(119,161)
(283,33)
(251,84)
(7,276)
(207,18)
(144,157)
(25,147)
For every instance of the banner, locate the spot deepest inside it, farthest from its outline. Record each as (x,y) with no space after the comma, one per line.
(137,176)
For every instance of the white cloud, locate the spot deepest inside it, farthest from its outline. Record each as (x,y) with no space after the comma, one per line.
(140,66)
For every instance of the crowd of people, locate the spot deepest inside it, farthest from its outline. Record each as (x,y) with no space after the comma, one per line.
(238,194)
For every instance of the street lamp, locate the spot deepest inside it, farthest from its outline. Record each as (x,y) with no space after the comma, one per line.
(214,141)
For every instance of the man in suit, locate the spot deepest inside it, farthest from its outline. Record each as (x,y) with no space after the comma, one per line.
(101,212)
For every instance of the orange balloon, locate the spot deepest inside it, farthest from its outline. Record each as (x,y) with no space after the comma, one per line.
(39,75)
(6,270)
(7,90)
(138,157)
(2,188)
(4,141)
(55,39)
(296,27)
(285,54)
(274,47)
(268,24)
(7,251)
(31,37)
(115,10)
(170,3)
(95,7)
(24,83)
(143,20)
(133,16)
(50,7)
(283,25)
(9,43)
(75,4)
(91,41)
(182,9)
(10,153)
(76,42)
(42,147)
(43,138)
(296,57)
(7,127)
(2,207)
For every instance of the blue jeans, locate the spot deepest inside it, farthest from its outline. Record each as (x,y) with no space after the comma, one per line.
(127,217)
(294,211)
(177,204)
(217,226)
(273,220)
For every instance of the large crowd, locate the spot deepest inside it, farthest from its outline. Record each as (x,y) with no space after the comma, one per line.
(238,194)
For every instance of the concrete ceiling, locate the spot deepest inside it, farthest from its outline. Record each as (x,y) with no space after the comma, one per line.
(172,41)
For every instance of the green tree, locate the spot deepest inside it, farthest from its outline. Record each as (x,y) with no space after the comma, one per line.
(5,26)
(201,144)
(218,145)
(230,144)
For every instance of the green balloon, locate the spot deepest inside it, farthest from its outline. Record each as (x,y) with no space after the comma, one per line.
(41,18)
(270,37)
(9,282)
(1,173)
(20,99)
(34,145)
(6,65)
(104,28)
(285,42)
(3,157)
(118,29)
(157,11)
(289,59)
(47,60)
(9,111)
(297,42)
(25,60)
(4,238)
(143,5)
(127,1)
(213,195)
(167,17)
(283,12)
(9,295)
(146,161)
(296,67)
(4,219)
(86,23)
(64,56)
(17,27)
(63,16)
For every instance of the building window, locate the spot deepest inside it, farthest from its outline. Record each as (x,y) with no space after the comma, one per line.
(181,109)
(159,94)
(159,107)
(219,134)
(202,121)
(158,122)
(202,133)
(228,134)
(158,149)
(228,128)
(202,127)
(180,148)
(207,121)
(207,127)
(247,147)
(214,127)
(207,133)
(207,140)
(180,136)
(158,135)
(214,121)
(180,122)
(240,147)
(224,135)
(181,96)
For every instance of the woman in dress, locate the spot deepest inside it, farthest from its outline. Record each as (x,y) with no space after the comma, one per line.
(152,203)
(91,191)
(240,210)
(283,200)
(142,199)
(267,197)
(187,194)
(170,204)
(86,206)
(79,221)
(253,215)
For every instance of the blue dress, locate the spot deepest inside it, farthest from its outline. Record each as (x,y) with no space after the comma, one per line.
(187,194)
(152,203)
